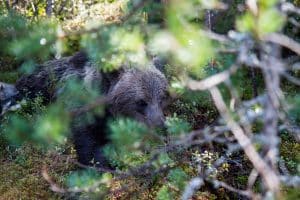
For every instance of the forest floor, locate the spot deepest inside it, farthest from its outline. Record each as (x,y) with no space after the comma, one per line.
(22,168)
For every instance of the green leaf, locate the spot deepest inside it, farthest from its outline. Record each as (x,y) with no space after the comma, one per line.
(270,21)
(163,160)
(177,126)
(267,4)
(37,41)
(192,49)
(52,126)
(126,132)
(177,177)
(246,23)
(83,179)
(164,194)
(127,139)
(18,130)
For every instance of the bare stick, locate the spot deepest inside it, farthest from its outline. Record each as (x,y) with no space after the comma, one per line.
(53,186)
(252,178)
(247,193)
(284,41)
(212,80)
(215,36)
(289,7)
(269,177)
(292,79)
(100,101)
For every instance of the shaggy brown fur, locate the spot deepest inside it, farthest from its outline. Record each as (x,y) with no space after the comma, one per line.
(139,93)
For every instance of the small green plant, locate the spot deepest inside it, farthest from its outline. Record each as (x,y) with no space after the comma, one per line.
(206,161)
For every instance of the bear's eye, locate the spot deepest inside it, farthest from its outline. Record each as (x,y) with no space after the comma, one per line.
(165,99)
(141,105)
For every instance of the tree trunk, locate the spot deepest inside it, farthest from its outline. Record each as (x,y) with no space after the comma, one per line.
(49,7)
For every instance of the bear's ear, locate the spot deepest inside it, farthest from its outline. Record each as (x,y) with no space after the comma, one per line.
(79,59)
(109,79)
(159,63)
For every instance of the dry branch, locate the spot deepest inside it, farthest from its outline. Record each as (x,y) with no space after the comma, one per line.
(269,176)
(212,80)
(284,41)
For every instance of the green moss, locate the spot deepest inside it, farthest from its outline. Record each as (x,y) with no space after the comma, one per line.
(9,77)
(290,153)
(21,177)
(290,193)
(242,179)
(205,196)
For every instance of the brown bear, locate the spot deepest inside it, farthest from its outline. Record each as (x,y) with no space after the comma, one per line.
(139,93)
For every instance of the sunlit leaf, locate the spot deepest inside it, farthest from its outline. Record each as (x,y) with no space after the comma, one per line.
(266,23)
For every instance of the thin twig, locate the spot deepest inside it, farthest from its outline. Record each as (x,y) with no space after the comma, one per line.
(247,193)
(284,41)
(215,36)
(289,7)
(270,178)
(98,102)
(291,78)
(212,80)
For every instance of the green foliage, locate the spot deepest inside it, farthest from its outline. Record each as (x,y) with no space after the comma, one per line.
(46,129)
(291,193)
(36,39)
(11,27)
(176,125)
(176,181)
(83,179)
(294,112)
(21,176)
(177,177)
(289,150)
(98,46)
(126,131)
(31,37)
(154,12)
(244,85)
(127,138)
(164,194)
(266,24)
(27,40)
(52,127)
(29,107)
(183,40)
(113,46)
(242,180)
(263,23)
(246,23)
(89,92)
(164,160)
(17,130)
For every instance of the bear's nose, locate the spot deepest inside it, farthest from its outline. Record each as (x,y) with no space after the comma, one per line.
(156,123)
(155,116)
(160,122)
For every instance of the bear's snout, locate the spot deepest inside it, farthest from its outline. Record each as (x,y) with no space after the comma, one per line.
(155,116)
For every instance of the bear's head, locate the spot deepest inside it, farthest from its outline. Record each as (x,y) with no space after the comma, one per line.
(139,93)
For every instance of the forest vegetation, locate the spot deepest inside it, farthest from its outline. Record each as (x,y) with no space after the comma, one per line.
(232,128)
